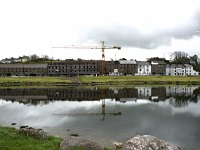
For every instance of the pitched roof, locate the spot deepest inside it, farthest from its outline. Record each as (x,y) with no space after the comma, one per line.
(177,66)
(158,62)
(127,62)
(143,63)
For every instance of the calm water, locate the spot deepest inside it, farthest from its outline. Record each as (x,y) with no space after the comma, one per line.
(171,113)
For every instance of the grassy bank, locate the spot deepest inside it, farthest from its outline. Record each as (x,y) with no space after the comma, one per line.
(141,80)
(31,81)
(11,140)
(99,80)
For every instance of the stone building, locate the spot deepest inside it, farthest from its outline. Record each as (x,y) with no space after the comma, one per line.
(158,67)
(121,67)
(74,68)
(23,69)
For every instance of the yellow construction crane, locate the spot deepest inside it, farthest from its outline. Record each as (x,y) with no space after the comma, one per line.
(102,47)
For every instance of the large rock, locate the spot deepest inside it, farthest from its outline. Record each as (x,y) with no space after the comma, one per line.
(148,142)
(73,142)
(36,133)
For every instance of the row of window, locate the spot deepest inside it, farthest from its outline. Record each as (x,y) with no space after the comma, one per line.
(75,70)
(71,67)
(22,68)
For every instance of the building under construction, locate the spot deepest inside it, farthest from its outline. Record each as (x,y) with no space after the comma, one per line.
(70,68)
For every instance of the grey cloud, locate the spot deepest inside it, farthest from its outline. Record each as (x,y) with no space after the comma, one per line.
(131,37)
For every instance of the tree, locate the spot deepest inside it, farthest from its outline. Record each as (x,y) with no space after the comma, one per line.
(195,63)
(194,59)
(180,57)
(156,59)
(45,58)
(34,58)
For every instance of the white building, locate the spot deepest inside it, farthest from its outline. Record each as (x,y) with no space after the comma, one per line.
(180,70)
(175,70)
(168,70)
(114,73)
(144,68)
(189,70)
(8,60)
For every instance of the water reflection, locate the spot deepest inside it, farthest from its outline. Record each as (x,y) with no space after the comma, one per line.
(178,96)
(171,113)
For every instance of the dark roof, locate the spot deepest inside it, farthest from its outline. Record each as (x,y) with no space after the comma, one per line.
(158,62)
(143,63)
(177,66)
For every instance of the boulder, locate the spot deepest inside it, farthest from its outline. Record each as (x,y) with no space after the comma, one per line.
(118,145)
(36,133)
(74,142)
(148,142)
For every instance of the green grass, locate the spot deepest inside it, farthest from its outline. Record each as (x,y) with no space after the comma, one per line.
(141,79)
(34,80)
(11,140)
(99,80)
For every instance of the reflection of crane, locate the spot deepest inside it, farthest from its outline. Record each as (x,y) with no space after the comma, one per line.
(102,47)
(103,113)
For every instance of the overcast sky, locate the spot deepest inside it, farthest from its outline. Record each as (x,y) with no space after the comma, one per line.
(143,28)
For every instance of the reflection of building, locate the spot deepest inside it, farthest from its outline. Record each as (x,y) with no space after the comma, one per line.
(179,90)
(76,94)
(180,96)
(144,92)
(32,95)
(176,94)
(158,93)
(123,93)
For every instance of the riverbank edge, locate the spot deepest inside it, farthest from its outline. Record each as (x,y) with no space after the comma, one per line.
(100,80)
(11,139)
(32,142)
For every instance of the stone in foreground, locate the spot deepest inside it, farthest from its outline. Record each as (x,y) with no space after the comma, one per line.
(73,142)
(148,142)
(35,133)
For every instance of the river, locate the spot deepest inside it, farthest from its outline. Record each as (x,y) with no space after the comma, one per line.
(171,113)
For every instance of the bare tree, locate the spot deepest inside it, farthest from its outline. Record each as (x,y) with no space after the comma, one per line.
(180,57)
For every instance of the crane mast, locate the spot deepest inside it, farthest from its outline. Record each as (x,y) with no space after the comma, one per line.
(103,63)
